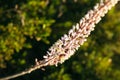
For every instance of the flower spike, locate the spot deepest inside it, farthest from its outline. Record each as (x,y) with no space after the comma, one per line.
(65,47)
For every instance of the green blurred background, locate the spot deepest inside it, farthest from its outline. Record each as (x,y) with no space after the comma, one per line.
(29,27)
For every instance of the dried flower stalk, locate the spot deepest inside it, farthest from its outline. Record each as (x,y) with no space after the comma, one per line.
(65,47)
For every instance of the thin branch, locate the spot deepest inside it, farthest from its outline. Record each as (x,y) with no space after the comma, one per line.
(65,47)
(28,71)
(22,18)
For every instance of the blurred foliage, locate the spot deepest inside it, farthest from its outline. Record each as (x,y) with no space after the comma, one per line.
(29,27)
